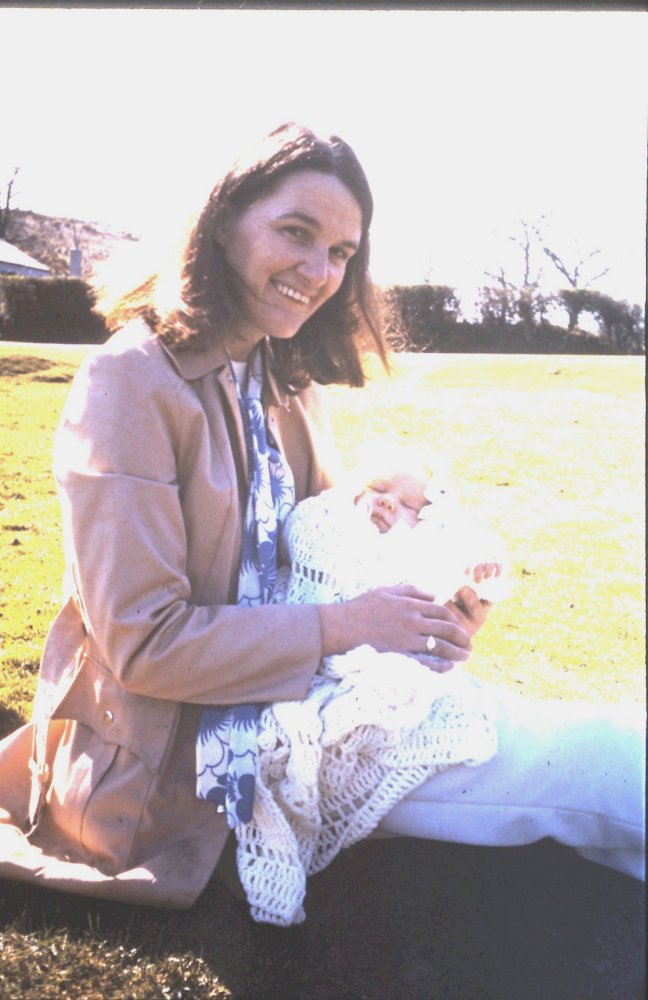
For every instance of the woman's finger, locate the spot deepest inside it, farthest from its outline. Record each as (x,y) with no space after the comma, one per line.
(436,612)
(410,591)
(436,663)
(443,648)
(444,625)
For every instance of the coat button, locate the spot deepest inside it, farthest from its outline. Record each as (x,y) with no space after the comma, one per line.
(108,718)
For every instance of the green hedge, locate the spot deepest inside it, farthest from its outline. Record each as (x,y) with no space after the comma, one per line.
(474,338)
(49,310)
(425,318)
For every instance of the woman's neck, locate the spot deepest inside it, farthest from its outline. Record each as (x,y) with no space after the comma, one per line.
(240,348)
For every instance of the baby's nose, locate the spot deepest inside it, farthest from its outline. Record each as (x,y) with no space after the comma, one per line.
(385,500)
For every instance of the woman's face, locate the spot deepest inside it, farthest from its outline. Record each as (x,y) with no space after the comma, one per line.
(290,251)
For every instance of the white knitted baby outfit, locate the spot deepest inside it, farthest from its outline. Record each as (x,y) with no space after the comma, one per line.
(372,727)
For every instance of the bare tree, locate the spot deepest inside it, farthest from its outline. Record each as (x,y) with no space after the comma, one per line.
(573,273)
(5,210)
(522,299)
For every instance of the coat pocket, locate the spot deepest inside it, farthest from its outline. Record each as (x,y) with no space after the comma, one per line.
(143,725)
(113,745)
(96,798)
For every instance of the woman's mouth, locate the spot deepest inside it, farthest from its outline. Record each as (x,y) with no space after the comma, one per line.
(291,293)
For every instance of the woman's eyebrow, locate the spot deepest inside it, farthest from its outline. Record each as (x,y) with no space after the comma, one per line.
(309,220)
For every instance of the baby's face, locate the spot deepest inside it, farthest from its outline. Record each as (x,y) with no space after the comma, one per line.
(399,498)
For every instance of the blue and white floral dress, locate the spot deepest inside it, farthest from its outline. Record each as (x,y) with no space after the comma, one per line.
(226,748)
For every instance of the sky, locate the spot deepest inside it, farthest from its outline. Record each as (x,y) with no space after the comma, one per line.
(466,122)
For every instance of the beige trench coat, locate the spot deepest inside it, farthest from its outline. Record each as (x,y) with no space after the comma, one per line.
(97,794)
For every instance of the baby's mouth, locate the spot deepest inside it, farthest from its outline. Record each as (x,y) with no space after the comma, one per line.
(380,523)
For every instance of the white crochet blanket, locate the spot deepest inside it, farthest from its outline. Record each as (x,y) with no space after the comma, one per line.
(372,727)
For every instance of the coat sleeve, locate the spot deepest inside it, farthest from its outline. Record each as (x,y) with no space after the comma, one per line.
(116,461)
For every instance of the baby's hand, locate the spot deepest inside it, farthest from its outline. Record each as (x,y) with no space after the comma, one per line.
(483,571)
(489,580)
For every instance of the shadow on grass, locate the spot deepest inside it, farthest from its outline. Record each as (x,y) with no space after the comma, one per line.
(22,364)
(10,720)
(396,920)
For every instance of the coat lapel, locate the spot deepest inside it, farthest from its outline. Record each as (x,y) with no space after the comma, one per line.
(197,365)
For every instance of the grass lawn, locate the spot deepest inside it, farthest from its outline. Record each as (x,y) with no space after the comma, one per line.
(548,450)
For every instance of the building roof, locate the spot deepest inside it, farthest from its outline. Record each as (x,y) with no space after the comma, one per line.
(10,254)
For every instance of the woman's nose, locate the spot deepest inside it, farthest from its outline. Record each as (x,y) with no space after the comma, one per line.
(315,266)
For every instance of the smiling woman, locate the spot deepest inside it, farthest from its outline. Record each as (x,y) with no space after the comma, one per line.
(184,443)
(289,221)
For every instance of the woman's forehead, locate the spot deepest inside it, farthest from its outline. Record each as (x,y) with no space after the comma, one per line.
(316,195)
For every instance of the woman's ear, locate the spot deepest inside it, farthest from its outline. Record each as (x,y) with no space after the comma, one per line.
(220,231)
(221,227)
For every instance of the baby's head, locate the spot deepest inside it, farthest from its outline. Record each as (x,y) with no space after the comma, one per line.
(398,498)
(405,489)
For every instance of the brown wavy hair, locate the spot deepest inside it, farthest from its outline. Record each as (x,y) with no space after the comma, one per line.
(329,346)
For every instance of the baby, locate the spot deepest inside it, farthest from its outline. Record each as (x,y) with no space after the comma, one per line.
(404,527)
(405,498)
(373,725)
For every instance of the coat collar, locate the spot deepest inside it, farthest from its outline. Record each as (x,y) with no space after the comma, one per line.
(191,364)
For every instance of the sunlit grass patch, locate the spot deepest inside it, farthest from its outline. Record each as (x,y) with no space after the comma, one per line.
(30,538)
(58,963)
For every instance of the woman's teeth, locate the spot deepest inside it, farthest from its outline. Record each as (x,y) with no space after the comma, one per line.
(291,293)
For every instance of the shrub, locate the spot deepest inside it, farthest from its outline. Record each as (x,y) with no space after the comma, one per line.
(44,310)
(419,315)
(466,338)
(620,324)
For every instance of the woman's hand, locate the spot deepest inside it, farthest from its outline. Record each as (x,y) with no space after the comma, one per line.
(398,619)
(468,609)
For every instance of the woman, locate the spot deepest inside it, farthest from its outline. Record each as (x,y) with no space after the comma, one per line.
(180,440)
(152,464)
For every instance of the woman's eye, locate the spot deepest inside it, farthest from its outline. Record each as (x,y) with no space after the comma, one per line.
(341,254)
(298,232)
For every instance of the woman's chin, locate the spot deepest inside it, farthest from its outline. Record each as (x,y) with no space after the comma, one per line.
(285,333)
